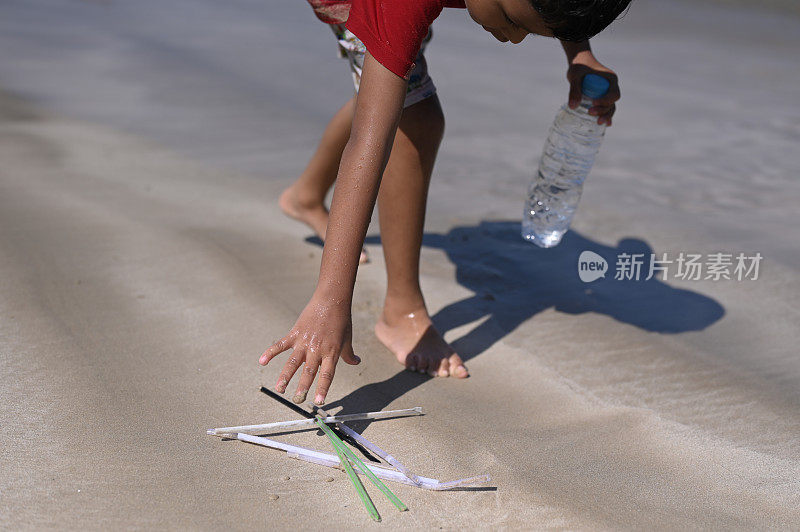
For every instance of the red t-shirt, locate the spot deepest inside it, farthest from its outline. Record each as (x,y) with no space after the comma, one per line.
(392,30)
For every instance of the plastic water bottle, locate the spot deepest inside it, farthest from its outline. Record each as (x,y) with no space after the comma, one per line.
(567,157)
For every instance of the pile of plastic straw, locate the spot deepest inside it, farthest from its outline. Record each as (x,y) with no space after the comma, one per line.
(344,458)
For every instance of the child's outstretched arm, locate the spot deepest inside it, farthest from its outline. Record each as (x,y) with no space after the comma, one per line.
(581,61)
(323,332)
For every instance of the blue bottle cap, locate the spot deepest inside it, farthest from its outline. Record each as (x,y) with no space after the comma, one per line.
(595,86)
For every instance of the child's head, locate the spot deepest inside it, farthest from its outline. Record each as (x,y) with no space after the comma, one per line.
(569,20)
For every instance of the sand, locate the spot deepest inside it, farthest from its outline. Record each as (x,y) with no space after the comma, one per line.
(145,266)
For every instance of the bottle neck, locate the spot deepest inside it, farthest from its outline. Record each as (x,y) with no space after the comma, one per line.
(582,111)
(585,105)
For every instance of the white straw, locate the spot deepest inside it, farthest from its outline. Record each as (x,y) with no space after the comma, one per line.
(310,423)
(330,460)
(394,476)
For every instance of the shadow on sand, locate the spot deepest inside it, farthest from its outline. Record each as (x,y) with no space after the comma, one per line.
(513,280)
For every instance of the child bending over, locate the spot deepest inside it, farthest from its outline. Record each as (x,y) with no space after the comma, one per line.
(382,145)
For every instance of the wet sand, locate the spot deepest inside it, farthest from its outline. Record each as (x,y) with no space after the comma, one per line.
(146,266)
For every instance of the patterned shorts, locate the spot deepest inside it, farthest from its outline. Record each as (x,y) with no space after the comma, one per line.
(420,84)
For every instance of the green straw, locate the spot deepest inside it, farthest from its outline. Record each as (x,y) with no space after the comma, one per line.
(339,445)
(362,493)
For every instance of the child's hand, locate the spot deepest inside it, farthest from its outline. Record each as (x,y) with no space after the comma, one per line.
(604,107)
(321,335)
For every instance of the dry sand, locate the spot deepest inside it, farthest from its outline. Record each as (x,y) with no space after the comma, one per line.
(145,266)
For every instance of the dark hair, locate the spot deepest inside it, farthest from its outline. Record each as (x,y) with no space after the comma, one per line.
(578,20)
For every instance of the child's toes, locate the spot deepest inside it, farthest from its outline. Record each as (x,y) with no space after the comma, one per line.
(439,368)
(457,368)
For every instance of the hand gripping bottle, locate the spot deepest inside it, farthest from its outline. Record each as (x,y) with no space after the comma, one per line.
(568,154)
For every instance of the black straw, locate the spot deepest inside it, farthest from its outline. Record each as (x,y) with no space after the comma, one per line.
(310,415)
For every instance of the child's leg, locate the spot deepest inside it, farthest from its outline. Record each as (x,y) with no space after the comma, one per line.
(304,200)
(405,326)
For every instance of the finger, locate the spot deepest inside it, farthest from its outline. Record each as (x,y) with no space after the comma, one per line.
(606,118)
(306,378)
(602,110)
(609,98)
(289,369)
(599,110)
(605,101)
(326,372)
(275,349)
(348,355)
(575,93)
(411,362)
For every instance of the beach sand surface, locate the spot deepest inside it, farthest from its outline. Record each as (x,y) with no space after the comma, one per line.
(145,266)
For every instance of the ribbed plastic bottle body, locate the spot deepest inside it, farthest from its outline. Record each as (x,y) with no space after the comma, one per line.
(555,190)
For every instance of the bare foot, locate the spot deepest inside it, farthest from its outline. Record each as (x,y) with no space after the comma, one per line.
(419,346)
(314,215)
